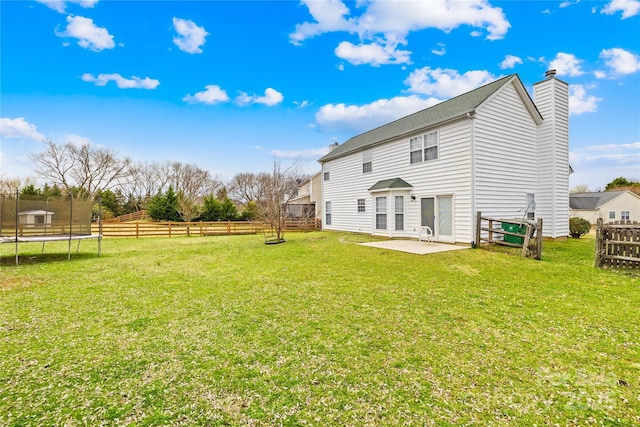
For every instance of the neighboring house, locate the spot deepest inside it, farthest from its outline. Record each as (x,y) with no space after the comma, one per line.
(608,205)
(307,203)
(35,218)
(491,150)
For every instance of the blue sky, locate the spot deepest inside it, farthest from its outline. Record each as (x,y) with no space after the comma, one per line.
(229,85)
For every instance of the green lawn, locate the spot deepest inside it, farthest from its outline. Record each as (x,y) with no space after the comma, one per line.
(317,331)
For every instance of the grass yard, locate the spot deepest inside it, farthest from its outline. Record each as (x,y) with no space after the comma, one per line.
(317,331)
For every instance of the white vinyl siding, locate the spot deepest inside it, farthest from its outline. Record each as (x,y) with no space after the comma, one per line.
(449,175)
(506,153)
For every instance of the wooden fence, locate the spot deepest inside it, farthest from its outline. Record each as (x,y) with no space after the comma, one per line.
(510,232)
(618,244)
(133,216)
(213,228)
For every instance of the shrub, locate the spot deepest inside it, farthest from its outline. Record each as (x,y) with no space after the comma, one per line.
(578,227)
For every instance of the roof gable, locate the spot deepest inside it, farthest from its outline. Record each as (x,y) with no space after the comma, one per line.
(391,184)
(440,113)
(593,201)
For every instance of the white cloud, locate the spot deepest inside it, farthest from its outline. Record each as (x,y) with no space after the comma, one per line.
(628,8)
(441,51)
(359,118)
(619,154)
(599,74)
(211,95)
(88,34)
(387,23)
(566,64)
(329,17)
(302,104)
(190,37)
(77,140)
(568,3)
(271,97)
(580,102)
(19,128)
(621,61)
(61,5)
(510,61)
(375,54)
(310,154)
(446,83)
(123,83)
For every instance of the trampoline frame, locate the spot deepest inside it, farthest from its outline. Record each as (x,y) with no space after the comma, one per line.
(17,239)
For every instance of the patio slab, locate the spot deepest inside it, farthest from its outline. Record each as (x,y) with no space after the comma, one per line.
(414,246)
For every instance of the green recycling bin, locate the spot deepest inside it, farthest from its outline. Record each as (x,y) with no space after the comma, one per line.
(514,228)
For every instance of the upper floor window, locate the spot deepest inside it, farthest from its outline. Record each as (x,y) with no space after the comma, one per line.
(326,172)
(624,215)
(427,144)
(415,149)
(612,214)
(431,146)
(367,164)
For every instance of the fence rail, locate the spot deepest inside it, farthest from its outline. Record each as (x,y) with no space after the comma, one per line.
(176,229)
(618,244)
(510,232)
(133,216)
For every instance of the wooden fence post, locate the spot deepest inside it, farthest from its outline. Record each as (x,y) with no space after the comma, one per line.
(598,257)
(539,239)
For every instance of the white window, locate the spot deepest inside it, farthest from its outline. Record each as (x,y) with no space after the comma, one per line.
(624,215)
(399,213)
(361,205)
(531,206)
(431,146)
(427,144)
(367,164)
(415,149)
(612,215)
(381,213)
(326,172)
(327,213)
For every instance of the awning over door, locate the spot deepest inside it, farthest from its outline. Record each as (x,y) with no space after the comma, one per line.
(391,184)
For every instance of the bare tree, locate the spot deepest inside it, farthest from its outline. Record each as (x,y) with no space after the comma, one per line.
(281,186)
(187,207)
(582,188)
(89,169)
(249,187)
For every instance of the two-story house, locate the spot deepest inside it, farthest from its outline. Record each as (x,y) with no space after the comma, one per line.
(491,149)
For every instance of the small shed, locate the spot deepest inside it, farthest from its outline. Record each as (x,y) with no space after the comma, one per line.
(35,218)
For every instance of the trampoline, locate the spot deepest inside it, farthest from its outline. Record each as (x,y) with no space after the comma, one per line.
(38,219)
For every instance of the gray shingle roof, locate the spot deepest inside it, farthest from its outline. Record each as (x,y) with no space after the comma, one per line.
(439,113)
(394,183)
(592,201)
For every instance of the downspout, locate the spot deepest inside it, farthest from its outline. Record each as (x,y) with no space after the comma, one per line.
(472,116)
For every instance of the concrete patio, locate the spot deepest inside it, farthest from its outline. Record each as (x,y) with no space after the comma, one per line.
(414,246)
